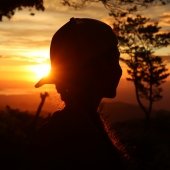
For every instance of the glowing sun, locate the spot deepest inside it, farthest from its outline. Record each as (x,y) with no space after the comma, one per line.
(41,70)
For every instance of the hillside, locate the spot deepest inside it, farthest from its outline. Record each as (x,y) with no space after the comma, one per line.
(120,111)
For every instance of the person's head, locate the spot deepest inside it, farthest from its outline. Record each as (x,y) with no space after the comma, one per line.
(84,61)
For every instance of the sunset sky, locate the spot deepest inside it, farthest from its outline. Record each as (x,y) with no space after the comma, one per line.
(25,42)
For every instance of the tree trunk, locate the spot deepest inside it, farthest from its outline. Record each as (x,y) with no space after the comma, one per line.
(146,112)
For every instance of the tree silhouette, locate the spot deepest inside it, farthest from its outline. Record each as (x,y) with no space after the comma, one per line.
(139,38)
(116,5)
(8,7)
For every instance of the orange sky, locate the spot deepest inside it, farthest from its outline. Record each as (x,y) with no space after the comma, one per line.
(25,42)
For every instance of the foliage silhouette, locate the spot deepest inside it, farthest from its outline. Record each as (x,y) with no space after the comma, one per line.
(116,6)
(15,127)
(139,38)
(8,8)
(148,148)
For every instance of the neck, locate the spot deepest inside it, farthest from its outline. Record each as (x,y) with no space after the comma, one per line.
(82,105)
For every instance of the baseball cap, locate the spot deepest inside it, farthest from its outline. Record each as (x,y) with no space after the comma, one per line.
(81,41)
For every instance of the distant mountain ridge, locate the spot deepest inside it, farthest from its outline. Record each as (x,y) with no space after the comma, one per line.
(116,111)
(120,111)
(30,102)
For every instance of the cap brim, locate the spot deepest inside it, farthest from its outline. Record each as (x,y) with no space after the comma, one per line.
(44,80)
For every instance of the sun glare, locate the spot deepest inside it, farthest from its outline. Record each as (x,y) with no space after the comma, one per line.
(40,70)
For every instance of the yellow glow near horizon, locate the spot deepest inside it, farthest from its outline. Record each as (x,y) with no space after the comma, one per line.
(39,56)
(40,70)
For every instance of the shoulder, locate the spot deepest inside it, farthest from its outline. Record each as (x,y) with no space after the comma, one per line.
(55,121)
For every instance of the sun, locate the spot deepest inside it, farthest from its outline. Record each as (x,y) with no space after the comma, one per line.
(40,70)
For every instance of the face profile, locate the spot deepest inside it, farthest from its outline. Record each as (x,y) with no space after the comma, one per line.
(84,62)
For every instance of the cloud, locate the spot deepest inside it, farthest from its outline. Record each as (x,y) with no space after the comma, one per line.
(165,19)
(22,60)
(24,33)
(165,15)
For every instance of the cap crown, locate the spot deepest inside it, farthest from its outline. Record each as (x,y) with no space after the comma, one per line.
(82,42)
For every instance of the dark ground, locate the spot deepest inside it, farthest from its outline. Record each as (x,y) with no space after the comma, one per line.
(149,149)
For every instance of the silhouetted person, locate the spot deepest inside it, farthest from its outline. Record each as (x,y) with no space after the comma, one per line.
(84,68)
